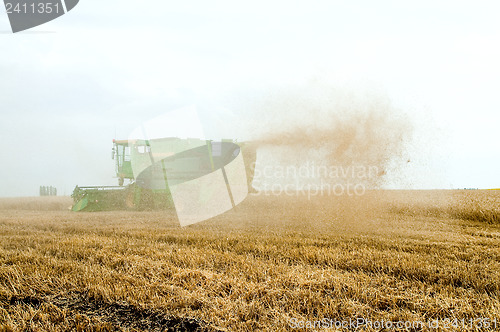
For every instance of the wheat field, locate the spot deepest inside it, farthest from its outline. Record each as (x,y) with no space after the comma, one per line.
(272,263)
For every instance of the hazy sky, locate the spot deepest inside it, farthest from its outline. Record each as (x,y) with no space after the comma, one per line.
(68,87)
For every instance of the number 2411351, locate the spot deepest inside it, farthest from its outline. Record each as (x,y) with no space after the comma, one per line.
(38,8)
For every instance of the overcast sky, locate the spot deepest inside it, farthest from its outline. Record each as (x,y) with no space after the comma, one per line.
(68,87)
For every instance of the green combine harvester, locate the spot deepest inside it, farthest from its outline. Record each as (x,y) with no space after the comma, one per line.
(151,166)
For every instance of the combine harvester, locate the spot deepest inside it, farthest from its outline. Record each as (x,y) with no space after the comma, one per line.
(153,166)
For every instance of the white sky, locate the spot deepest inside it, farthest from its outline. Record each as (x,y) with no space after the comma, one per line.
(67,86)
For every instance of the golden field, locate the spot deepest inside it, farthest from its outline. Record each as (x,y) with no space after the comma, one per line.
(268,264)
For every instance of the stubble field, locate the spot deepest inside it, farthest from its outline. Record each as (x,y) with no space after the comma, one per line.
(272,263)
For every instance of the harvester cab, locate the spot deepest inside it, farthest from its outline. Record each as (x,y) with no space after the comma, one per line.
(121,154)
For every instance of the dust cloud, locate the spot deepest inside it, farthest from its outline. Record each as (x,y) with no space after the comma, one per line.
(338,134)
